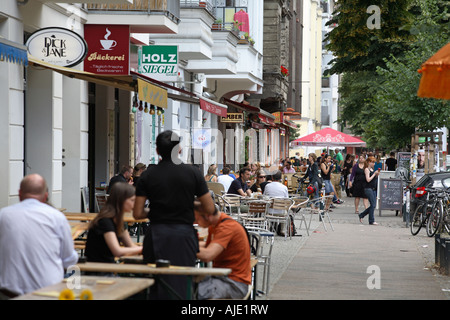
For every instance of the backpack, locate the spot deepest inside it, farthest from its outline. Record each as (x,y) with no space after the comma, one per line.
(252,241)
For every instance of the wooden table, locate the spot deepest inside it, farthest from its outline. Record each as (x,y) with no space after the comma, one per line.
(89,216)
(193,273)
(78,228)
(102,288)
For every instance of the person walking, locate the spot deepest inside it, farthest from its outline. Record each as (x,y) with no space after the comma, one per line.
(35,241)
(346,171)
(171,188)
(312,173)
(326,167)
(370,188)
(357,183)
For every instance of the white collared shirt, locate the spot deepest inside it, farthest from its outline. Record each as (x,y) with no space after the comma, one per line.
(35,246)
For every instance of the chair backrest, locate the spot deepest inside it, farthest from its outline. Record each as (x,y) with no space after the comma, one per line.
(215,187)
(257,208)
(234,200)
(282,204)
(301,202)
(100,200)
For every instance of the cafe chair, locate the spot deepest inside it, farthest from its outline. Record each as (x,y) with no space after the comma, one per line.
(263,255)
(256,216)
(100,200)
(298,211)
(232,205)
(279,213)
(317,207)
(216,187)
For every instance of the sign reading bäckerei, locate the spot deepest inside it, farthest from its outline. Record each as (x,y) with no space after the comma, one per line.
(58,46)
(159,62)
(109,49)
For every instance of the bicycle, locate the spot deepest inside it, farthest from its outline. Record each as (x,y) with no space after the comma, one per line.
(439,214)
(423,210)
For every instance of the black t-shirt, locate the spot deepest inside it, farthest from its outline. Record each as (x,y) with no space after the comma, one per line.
(391,163)
(236,185)
(96,248)
(171,188)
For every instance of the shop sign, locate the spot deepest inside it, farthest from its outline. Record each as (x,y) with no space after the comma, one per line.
(109,49)
(152,94)
(213,108)
(279,117)
(58,46)
(159,62)
(233,118)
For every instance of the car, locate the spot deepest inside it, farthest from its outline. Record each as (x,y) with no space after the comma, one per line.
(436,180)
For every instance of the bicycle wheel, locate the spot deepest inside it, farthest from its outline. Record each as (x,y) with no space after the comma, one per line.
(434,220)
(417,219)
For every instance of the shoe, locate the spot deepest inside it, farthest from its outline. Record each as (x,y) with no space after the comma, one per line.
(332,206)
(357,212)
(373,224)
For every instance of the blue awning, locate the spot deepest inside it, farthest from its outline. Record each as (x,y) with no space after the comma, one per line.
(13,52)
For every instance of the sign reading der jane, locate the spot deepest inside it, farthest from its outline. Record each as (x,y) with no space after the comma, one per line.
(109,49)
(58,46)
(159,62)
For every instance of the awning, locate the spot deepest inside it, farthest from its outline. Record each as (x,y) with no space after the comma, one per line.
(266,118)
(213,107)
(289,124)
(241,106)
(146,90)
(13,52)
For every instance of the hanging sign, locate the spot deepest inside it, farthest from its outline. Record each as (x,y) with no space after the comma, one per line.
(152,94)
(58,46)
(233,118)
(201,138)
(159,62)
(109,49)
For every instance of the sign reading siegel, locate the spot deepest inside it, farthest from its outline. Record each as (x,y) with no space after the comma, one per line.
(57,46)
(109,49)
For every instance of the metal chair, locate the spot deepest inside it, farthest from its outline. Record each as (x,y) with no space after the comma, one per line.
(256,216)
(279,212)
(100,200)
(317,206)
(231,204)
(216,187)
(298,210)
(263,255)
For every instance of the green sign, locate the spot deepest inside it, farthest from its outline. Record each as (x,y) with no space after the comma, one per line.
(159,62)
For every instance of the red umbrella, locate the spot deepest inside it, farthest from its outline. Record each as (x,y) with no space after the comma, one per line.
(328,137)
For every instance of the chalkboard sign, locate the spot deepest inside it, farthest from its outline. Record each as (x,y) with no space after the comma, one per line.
(390,193)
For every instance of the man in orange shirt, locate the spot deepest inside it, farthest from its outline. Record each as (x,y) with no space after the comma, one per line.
(228,247)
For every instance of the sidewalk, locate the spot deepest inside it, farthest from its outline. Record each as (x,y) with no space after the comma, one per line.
(334,264)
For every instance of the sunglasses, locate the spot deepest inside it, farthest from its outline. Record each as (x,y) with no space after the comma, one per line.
(261,176)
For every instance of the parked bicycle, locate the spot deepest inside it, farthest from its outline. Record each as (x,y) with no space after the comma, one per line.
(439,217)
(427,198)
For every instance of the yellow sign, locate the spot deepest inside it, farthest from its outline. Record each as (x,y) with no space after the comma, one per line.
(278,117)
(152,94)
(233,118)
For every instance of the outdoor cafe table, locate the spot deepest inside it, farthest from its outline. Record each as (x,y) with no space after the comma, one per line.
(88,216)
(193,273)
(102,288)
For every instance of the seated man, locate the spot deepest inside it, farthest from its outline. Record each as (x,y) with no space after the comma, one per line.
(227,246)
(239,186)
(276,190)
(35,241)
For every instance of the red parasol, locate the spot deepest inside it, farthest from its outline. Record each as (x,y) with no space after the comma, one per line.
(328,137)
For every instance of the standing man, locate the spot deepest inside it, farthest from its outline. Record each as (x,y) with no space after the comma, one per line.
(391,162)
(171,188)
(35,241)
(239,186)
(339,158)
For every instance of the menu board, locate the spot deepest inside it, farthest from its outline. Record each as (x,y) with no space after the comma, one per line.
(390,193)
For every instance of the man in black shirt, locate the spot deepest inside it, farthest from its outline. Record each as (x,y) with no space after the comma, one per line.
(239,186)
(171,188)
(391,163)
(124,175)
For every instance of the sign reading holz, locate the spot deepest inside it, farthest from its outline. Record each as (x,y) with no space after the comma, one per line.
(159,62)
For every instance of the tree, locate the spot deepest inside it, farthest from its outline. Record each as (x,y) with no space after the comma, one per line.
(356,44)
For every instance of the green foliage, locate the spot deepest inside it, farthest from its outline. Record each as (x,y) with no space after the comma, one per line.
(382,104)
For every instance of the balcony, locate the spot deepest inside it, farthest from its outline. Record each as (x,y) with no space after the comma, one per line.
(143,16)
